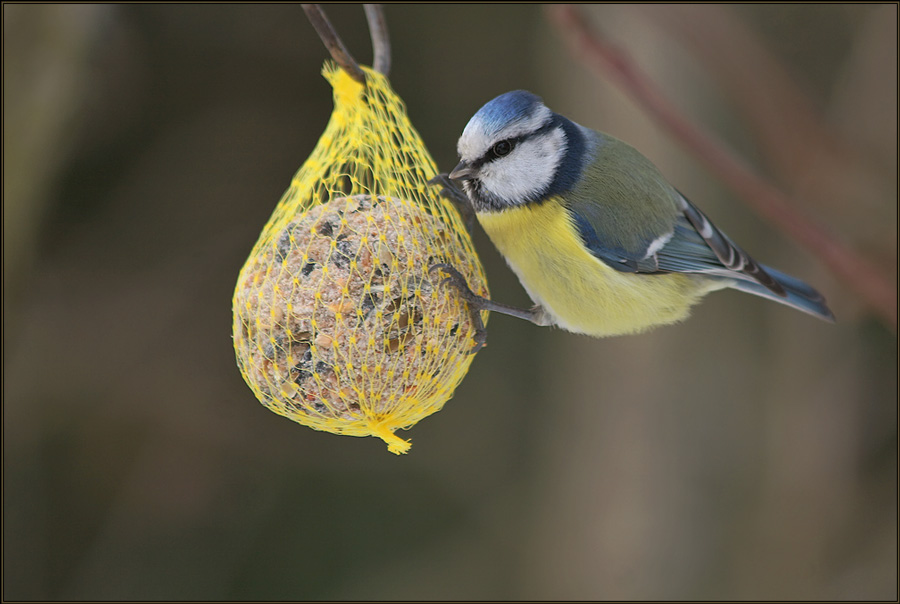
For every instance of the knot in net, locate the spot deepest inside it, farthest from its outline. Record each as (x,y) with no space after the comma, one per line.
(338,324)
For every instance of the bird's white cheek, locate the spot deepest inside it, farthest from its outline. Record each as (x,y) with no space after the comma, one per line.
(526,172)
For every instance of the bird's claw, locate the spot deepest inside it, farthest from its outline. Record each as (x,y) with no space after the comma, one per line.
(450,191)
(458,281)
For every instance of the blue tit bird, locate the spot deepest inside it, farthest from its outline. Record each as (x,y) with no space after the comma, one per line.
(601,242)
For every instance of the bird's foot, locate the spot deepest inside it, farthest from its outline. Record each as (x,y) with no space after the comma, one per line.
(459,198)
(474,301)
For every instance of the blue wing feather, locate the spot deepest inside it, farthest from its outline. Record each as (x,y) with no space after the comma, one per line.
(617,257)
(712,254)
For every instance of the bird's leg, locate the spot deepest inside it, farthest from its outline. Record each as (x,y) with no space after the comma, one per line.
(534,315)
(458,197)
(477,304)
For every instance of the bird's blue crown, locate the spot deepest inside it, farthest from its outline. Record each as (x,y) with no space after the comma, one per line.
(506,108)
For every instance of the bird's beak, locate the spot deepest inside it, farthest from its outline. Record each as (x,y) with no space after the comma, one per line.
(462,171)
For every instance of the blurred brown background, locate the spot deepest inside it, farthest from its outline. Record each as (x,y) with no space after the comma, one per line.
(750,452)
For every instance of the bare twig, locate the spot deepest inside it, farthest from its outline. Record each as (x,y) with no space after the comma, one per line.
(333,42)
(381,42)
(875,288)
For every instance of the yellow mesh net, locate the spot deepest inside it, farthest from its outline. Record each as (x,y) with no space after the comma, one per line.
(338,324)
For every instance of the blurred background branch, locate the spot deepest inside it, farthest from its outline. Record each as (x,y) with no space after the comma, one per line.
(788,123)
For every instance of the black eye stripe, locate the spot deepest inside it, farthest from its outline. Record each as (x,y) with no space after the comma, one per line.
(491,155)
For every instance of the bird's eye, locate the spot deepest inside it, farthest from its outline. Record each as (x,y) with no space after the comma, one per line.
(502,148)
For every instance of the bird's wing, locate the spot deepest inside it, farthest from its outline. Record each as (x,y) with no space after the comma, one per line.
(616,256)
(736,262)
(693,245)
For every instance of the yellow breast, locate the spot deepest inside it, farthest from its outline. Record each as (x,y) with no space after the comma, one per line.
(580,292)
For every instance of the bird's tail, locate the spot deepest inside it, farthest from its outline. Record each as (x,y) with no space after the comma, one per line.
(799,294)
